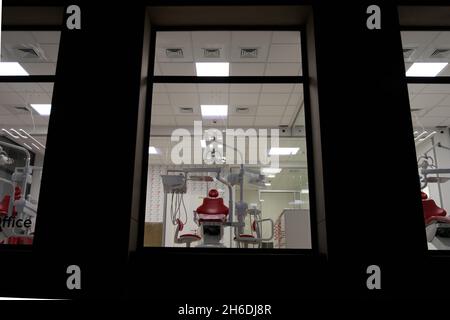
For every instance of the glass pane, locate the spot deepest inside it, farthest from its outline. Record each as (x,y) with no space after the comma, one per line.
(24,115)
(426,53)
(228,53)
(228,137)
(29,52)
(430,108)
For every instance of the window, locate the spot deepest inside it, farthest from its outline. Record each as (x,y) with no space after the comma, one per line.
(27,68)
(427,54)
(227,157)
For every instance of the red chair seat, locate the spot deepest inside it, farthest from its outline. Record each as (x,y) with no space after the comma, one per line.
(190,236)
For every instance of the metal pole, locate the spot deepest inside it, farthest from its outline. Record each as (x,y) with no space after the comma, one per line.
(441,203)
(164,221)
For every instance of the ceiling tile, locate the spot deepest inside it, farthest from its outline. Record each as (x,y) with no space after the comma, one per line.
(426,100)
(443,112)
(47,37)
(213,98)
(290,111)
(286,121)
(283,69)
(47,87)
(277,88)
(40,68)
(267,121)
(161,109)
(159,87)
(4,87)
(213,88)
(27,87)
(10,98)
(430,121)
(184,99)
(160,98)
(247,88)
(295,99)
(181,87)
(236,121)
(284,53)
(177,69)
(432,88)
(271,99)
(29,98)
(187,120)
(446,101)
(163,121)
(243,99)
(298,88)
(247,69)
(270,110)
(286,37)
(10,121)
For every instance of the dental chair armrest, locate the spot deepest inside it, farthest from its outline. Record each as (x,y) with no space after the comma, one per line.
(438,219)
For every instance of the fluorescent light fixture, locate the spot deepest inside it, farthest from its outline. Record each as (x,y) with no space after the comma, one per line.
(214,110)
(203,143)
(152,150)
(305,191)
(266,171)
(12,69)
(425,69)
(271,176)
(212,69)
(267,184)
(283,151)
(42,108)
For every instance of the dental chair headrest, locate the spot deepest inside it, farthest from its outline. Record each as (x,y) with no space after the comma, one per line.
(213,193)
(424,195)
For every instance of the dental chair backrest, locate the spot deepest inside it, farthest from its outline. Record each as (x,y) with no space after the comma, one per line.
(430,209)
(212,208)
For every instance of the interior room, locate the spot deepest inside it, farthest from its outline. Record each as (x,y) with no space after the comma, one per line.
(427,54)
(244,139)
(25,107)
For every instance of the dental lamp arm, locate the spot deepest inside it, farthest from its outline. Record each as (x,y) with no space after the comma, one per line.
(230,197)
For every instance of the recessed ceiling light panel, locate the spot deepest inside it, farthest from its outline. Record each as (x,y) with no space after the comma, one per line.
(425,69)
(214,110)
(212,69)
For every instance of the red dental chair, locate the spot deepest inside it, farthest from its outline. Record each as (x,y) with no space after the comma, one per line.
(212,217)
(186,238)
(433,216)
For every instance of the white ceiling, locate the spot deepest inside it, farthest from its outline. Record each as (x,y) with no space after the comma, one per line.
(45,43)
(269,105)
(430,103)
(15,110)
(279,52)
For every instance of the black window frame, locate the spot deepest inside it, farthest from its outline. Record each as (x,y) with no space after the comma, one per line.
(303,79)
(29,79)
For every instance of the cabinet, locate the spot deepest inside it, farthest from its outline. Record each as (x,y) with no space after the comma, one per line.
(293,229)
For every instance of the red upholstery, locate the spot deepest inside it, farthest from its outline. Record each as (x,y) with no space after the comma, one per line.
(424,195)
(431,211)
(180,225)
(5,202)
(254,225)
(212,208)
(190,235)
(246,236)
